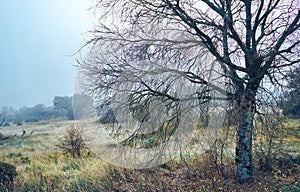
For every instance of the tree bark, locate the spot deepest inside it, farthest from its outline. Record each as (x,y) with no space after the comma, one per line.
(2,122)
(244,164)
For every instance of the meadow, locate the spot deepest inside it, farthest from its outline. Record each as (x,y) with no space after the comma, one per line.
(41,166)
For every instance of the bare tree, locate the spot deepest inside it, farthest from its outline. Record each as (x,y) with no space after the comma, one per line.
(5,113)
(247,44)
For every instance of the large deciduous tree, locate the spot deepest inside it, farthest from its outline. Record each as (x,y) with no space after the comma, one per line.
(247,43)
(63,106)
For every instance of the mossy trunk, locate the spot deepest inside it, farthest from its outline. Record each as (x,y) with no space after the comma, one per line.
(244,163)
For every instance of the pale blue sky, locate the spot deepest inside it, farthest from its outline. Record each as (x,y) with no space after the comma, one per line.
(36,37)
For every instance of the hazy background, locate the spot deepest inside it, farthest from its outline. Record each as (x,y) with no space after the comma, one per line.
(37,38)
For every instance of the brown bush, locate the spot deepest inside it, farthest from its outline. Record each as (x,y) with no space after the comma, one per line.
(72,141)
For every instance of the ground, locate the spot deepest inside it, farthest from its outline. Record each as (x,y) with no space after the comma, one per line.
(41,166)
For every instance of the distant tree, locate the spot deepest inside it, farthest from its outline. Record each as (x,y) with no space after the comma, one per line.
(5,114)
(290,103)
(83,106)
(31,114)
(48,113)
(38,111)
(63,107)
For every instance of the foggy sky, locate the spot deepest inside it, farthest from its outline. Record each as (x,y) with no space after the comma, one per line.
(37,38)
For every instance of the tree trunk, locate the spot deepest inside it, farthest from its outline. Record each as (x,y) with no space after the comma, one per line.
(2,122)
(244,164)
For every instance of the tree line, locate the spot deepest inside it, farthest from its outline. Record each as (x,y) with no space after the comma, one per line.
(61,108)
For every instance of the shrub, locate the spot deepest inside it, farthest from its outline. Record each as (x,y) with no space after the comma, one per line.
(19,123)
(3,137)
(267,136)
(288,164)
(7,174)
(6,124)
(72,141)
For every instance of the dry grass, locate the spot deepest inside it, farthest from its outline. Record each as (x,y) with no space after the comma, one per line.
(199,174)
(42,167)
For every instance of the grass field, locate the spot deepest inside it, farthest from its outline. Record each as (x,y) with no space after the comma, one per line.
(41,166)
